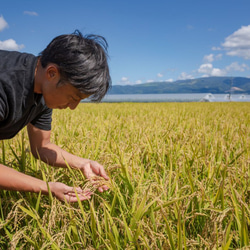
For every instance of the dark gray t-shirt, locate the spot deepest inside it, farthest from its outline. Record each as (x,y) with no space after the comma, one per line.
(19,105)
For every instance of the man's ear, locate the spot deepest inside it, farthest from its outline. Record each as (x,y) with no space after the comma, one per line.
(52,72)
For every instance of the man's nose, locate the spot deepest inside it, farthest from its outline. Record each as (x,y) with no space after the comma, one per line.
(73,105)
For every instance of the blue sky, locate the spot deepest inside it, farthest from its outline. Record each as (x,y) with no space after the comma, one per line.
(158,40)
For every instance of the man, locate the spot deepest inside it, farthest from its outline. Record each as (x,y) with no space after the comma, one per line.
(70,69)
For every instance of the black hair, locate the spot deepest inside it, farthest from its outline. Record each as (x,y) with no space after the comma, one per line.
(82,61)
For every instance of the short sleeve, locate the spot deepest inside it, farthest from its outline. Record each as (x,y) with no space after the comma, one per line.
(43,120)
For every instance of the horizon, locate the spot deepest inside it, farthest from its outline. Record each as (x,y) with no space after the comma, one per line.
(183,80)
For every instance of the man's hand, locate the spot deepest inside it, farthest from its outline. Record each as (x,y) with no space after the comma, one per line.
(10,179)
(63,192)
(42,148)
(92,170)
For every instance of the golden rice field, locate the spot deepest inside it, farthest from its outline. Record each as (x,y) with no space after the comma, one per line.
(179,179)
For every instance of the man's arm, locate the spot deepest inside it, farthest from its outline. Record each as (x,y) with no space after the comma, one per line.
(11,179)
(42,148)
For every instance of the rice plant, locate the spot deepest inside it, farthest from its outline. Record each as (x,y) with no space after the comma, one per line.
(179,179)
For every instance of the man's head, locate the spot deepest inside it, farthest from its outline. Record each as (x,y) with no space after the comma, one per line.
(81,61)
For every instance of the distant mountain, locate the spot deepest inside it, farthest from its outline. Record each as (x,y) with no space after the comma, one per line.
(214,85)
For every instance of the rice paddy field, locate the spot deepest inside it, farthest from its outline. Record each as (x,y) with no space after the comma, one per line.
(179,179)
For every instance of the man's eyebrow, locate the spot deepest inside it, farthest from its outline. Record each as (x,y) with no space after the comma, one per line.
(75,97)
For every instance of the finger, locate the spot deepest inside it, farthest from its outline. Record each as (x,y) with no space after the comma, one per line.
(99,170)
(97,185)
(103,188)
(87,193)
(73,190)
(79,195)
(103,174)
(88,172)
(73,197)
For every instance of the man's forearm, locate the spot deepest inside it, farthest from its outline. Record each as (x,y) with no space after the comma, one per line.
(11,179)
(55,156)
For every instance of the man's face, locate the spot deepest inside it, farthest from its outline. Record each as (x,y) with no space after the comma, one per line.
(63,96)
(57,96)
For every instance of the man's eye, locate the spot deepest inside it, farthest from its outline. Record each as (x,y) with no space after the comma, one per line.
(74,99)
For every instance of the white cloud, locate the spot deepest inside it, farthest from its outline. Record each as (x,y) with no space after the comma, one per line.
(218,57)
(208,58)
(169,80)
(238,44)
(3,23)
(217,72)
(149,81)
(235,66)
(208,70)
(10,44)
(216,48)
(30,13)
(205,68)
(160,75)
(185,76)
(138,82)
(211,57)
(124,81)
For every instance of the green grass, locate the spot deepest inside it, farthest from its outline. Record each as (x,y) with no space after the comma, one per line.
(179,179)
